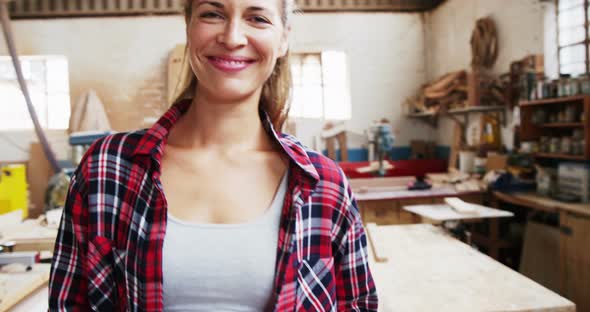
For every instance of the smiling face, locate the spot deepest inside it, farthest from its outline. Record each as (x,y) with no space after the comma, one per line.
(234,45)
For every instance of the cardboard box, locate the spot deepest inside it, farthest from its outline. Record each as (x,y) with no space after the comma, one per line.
(496,162)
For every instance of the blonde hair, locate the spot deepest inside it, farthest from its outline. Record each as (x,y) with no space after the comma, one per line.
(276,91)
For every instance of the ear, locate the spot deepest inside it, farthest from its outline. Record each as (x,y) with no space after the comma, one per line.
(285,42)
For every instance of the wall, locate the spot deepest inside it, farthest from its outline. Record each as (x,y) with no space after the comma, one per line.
(524,27)
(15,144)
(386,64)
(124,60)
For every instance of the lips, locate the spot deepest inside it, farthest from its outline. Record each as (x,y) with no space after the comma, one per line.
(230,64)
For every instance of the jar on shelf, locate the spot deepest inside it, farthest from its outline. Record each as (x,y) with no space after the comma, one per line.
(570,113)
(578,134)
(575,147)
(573,86)
(554,146)
(554,88)
(578,146)
(563,89)
(566,145)
(544,144)
(524,92)
(538,116)
(561,117)
(540,89)
(547,89)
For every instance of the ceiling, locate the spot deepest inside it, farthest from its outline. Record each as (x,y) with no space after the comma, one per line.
(24,9)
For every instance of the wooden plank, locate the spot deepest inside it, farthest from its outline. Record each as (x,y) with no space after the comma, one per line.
(360,183)
(562,156)
(563,125)
(331,147)
(36,301)
(559,100)
(443,212)
(460,206)
(39,172)
(431,271)
(15,287)
(371,230)
(343,145)
(28,235)
(473,88)
(538,202)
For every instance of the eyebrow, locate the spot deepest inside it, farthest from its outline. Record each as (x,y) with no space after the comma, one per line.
(255,8)
(220,5)
(213,3)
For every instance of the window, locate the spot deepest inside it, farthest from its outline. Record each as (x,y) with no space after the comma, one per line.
(48,84)
(573,32)
(320,86)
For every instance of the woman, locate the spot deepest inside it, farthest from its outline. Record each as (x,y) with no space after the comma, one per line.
(211,209)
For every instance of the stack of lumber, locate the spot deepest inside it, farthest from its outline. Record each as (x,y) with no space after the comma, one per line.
(459,89)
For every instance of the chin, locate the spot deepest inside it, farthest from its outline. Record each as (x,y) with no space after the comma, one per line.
(232,91)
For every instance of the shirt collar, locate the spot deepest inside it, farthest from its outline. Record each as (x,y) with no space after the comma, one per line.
(152,140)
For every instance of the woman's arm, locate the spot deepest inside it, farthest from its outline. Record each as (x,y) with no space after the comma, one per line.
(68,280)
(354,283)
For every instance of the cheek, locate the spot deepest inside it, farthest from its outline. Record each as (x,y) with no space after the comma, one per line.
(200,36)
(267,45)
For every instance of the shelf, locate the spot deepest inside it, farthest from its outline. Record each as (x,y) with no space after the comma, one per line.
(562,156)
(456,111)
(563,125)
(432,117)
(559,100)
(475,109)
(421,115)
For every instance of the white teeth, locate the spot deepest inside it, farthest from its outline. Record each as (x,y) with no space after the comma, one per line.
(231,62)
(234,62)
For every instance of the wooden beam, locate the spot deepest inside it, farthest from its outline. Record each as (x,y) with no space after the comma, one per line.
(26,9)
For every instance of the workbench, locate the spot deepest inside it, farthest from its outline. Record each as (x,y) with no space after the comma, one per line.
(381,200)
(27,235)
(26,291)
(428,270)
(574,241)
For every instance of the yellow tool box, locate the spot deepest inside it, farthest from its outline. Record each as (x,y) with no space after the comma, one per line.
(13,189)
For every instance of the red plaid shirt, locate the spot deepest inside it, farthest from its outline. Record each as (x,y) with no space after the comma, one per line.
(108,252)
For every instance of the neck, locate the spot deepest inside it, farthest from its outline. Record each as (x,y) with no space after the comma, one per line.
(225,125)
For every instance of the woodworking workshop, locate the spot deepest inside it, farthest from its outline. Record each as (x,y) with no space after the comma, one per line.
(295,155)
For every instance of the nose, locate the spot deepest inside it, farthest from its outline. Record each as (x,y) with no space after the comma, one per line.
(233,35)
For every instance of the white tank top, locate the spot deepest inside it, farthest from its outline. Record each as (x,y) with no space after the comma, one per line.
(222,267)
